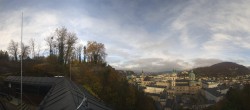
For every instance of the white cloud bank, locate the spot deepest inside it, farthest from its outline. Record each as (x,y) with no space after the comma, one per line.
(150,35)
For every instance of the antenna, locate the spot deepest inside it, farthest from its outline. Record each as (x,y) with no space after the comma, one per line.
(22,62)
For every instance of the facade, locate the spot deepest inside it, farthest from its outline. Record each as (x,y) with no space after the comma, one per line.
(209,84)
(154,89)
(215,94)
(166,84)
(212,94)
(185,86)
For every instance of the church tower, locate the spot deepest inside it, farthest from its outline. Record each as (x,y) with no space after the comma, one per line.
(192,76)
(142,77)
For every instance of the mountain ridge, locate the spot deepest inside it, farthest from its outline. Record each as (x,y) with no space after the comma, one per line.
(223,69)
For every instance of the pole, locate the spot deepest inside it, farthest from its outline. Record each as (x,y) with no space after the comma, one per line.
(21,61)
(70,68)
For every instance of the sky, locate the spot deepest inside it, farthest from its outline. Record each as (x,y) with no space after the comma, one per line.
(149,35)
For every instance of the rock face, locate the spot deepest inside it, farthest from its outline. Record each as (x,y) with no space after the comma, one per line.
(224,69)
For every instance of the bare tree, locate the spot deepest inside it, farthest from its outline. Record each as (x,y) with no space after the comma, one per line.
(79,48)
(84,54)
(96,52)
(13,49)
(25,51)
(38,48)
(61,34)
(70,42)
(50,42)
(32,46)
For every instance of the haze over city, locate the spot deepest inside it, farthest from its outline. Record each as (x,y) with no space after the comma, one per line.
(139,35)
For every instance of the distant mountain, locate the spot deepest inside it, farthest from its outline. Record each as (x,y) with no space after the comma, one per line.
(224,69)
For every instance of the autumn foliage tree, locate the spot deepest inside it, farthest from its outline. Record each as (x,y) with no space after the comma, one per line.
(100,79)
(107,84)
(96,52)
(70,42)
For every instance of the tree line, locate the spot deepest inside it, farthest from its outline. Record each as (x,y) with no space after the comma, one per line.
(63,45)
(235,99)
(88,68)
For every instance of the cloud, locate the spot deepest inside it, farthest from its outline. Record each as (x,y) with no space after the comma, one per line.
(153,64)
(152,35)
(202,62)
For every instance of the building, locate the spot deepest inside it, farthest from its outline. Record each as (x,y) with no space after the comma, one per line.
(214,94)
(209,84)
(186,86)
(52,93)
(154,89)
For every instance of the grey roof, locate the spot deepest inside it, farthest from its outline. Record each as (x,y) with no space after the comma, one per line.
(181,80)
(213,91)
(154,94)
(223,87)
(47,81)
(63,95)
(181,84)
(157,86)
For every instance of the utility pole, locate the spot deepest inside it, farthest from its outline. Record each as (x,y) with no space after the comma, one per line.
(70,68)
(21,63)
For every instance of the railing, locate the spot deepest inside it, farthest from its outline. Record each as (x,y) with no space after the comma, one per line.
(84,101)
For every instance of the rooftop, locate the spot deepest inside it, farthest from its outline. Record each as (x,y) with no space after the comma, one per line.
(213,91)
(181,84)
(181,80)
(63,95)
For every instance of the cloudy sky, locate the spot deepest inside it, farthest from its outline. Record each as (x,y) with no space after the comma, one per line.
(153,35)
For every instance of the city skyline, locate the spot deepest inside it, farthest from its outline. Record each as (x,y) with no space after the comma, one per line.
(140,35)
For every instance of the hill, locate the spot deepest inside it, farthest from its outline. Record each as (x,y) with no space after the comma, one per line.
(223,69)
(101,80)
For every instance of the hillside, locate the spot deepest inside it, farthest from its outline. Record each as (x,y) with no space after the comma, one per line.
(224,69)
(101,80)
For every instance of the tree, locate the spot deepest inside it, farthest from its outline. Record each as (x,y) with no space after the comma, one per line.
(61,34)
(51,43)
(38,50)
(25,51)
(96,52)
(32,47)
(79,52)
(4,56)
(84,53)
(13,49)
(70,42)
